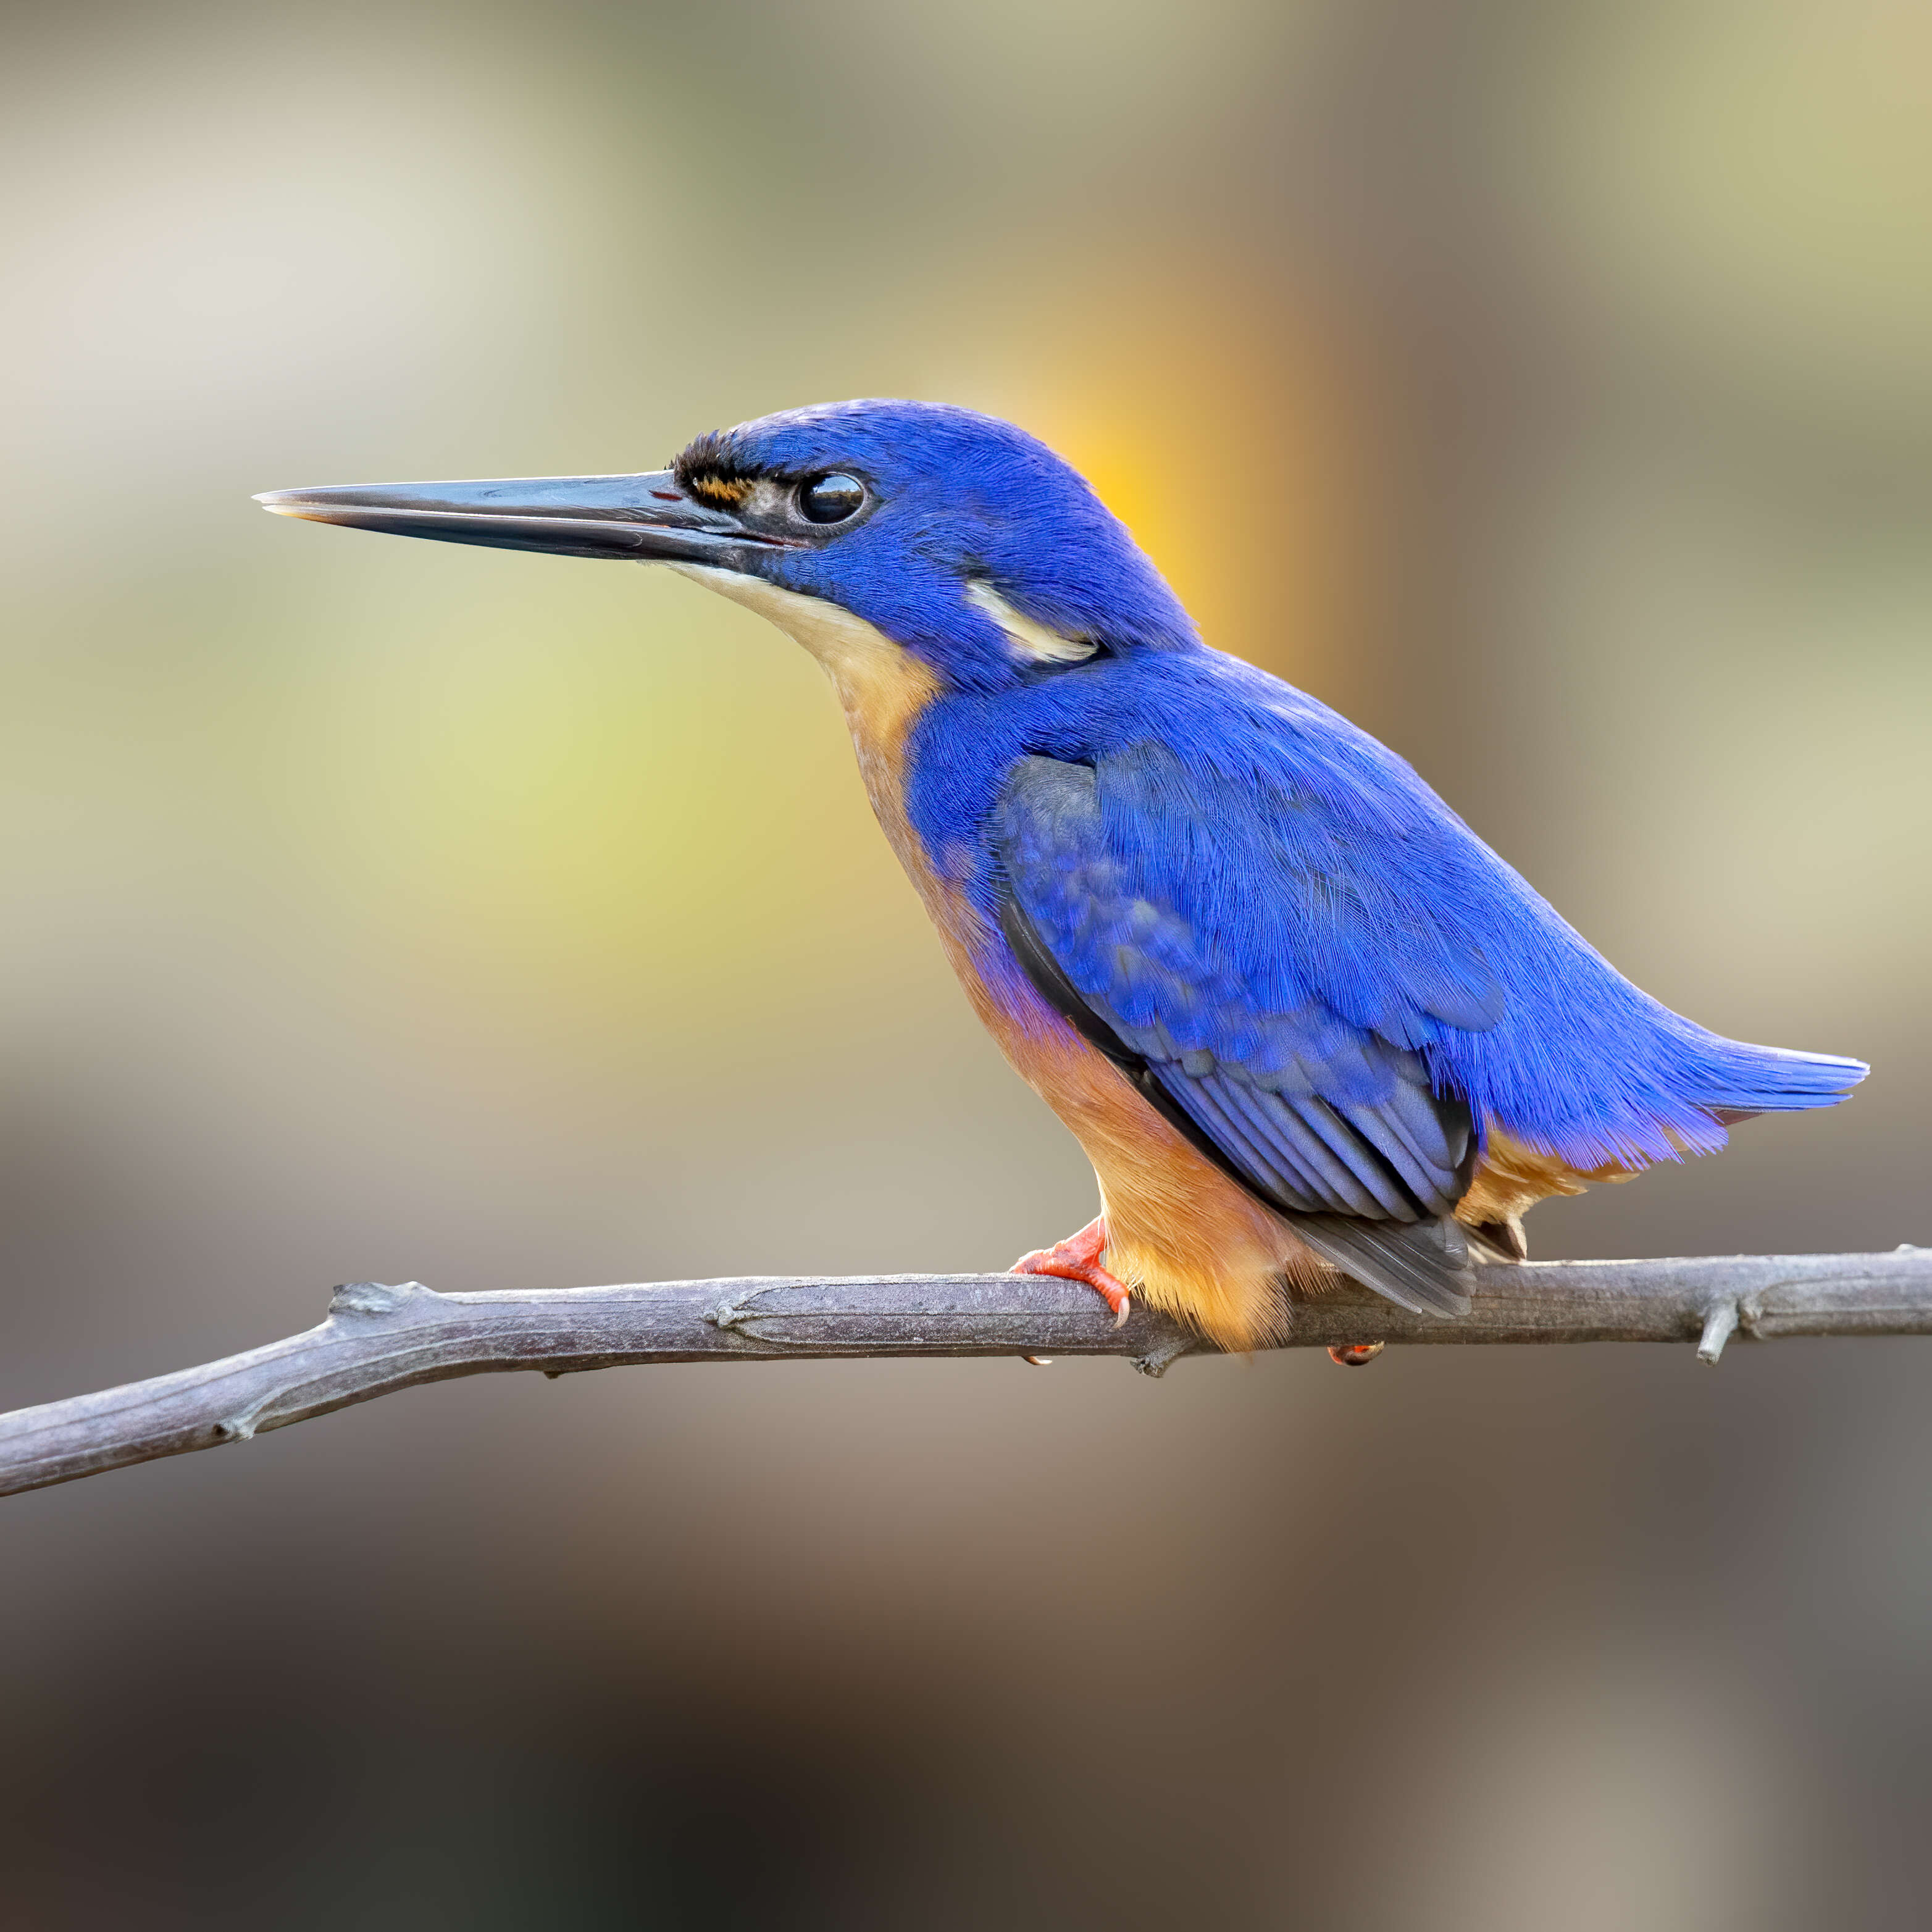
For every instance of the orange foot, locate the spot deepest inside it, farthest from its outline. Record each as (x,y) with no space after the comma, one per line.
(1078,1259)
(1353,1354)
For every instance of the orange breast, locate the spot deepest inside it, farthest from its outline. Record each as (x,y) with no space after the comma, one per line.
(1179,1231)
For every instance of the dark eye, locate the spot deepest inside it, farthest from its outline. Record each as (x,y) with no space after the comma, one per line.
(830,499)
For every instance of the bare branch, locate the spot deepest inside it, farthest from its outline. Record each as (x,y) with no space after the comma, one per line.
(377,1340)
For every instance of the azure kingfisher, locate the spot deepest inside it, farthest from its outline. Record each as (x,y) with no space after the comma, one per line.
(1299,1017)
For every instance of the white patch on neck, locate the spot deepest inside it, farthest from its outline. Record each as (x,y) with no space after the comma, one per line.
(879,686)
(847,646)
(1031,642)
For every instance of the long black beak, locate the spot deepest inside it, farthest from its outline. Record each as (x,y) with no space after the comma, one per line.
(647,519)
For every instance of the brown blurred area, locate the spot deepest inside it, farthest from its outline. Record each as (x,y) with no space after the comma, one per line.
(1549,387)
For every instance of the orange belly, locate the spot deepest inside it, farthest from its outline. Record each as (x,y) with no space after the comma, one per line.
(1179,1231)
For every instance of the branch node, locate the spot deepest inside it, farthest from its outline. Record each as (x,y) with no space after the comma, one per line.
(729,1316)
(1162,1356)
(240,1427)
(374,1297)
(1721,1322)
(734,1318)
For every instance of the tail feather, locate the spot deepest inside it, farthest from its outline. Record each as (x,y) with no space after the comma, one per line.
(1745,1079)
(1422,1266)
(1678,1099)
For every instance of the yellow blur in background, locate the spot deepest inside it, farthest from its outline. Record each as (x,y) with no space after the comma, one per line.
(1548,387)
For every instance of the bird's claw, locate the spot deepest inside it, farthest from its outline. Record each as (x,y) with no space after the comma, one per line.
(1078,1259)
(1355,1355)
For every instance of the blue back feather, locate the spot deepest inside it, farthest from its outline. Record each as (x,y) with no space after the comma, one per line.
(1323,899)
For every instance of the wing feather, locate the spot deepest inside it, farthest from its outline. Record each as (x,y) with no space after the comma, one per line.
(1309,1089)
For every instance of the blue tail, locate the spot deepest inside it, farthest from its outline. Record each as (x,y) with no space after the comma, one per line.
(1708,1083)
(1746,1079)
(1637,1083)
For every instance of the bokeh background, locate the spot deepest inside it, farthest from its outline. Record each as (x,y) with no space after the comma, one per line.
(1550,387)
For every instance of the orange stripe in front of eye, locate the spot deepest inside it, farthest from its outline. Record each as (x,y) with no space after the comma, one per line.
(719,489)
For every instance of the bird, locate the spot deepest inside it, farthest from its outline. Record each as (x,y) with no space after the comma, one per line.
(1302,1020)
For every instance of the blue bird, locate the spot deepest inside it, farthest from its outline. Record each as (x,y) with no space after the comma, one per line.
(1297,1014)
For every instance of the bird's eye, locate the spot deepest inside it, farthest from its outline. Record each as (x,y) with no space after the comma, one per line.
(830,499)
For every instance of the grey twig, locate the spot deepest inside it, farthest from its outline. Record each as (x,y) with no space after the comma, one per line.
(1720,1323)
(377,1339)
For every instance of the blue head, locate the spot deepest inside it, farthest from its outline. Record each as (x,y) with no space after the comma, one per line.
(962,540)
(943,525)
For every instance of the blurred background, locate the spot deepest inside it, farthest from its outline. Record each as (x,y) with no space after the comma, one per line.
(1550,387)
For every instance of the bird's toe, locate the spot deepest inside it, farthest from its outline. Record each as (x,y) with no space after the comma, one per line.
(1079,1258)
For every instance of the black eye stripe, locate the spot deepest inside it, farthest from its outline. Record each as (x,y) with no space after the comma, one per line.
(830,499)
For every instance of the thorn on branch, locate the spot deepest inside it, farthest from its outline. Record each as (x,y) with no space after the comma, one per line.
(1721,1322)
(1162,1355)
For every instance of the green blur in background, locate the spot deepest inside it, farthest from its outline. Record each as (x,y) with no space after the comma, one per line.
(1549,387)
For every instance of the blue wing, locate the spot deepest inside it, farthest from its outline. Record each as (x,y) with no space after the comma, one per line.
(1135,895)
